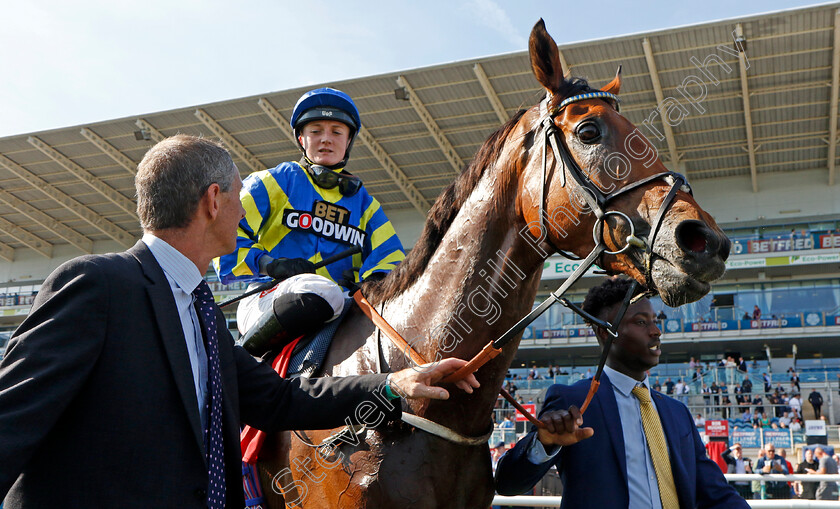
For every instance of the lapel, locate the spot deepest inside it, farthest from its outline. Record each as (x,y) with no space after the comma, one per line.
(171,334)
(605,399)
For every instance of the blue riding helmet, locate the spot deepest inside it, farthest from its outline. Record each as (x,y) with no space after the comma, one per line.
(326,104)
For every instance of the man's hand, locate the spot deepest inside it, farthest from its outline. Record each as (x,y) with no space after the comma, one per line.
(285,268)
(562,427)
(418,381)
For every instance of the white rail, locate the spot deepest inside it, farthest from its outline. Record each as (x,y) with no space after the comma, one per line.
(526,501)
(535,501)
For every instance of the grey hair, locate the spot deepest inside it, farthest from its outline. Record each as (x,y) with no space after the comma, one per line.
(174,175)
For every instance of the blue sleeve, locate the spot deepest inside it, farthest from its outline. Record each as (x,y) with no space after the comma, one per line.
(243,263)
(515,474)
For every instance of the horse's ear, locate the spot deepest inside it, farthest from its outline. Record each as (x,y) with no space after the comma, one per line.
(613,86)
(545,58)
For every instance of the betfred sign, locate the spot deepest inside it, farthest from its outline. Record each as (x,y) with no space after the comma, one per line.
(717,428)
(530,407)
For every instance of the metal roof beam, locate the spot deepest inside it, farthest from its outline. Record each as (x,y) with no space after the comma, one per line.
(234,146)
(7,252)
(109,150)
(90,216)
(410,190)
(490,92)
(40,245)
(444,144)
(567,69)
(153,132)
(74,238)
(745,95)
(661,106)
(835,92)
(85,176)
(279,120)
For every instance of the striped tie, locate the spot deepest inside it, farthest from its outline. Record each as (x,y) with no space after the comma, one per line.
(658,449)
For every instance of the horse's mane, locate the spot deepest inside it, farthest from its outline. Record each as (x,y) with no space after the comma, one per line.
(440,216)
(449,202)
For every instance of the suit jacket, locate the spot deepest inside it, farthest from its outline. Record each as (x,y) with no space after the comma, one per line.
(98,404)
(594,471)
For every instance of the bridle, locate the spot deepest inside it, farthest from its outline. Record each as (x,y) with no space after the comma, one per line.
(598,202)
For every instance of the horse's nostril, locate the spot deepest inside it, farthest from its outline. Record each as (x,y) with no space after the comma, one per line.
(692,236)
(726,245)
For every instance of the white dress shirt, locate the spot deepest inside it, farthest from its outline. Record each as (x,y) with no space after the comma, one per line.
(184,277)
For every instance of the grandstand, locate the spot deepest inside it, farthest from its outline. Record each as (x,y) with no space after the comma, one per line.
(756,100)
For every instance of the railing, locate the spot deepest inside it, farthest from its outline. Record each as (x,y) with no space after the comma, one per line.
(551,501)
(530,501)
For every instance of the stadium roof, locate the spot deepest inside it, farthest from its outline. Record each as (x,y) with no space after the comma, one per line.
(774,109)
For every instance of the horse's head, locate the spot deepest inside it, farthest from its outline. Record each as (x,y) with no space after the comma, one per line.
(603,180)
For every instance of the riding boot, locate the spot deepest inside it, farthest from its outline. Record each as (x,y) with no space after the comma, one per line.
(292,315)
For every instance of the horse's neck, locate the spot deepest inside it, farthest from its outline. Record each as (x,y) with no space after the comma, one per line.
(481,280)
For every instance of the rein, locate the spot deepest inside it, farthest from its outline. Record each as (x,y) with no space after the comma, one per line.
(597,201)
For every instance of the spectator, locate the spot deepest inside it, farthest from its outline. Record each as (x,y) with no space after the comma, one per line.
(756,313)
(693,364)
(770,463)
(795,426)
(795,404)
(507,423)
(742,365)
(767,383)
(784,420)
(746,316)
(661,316)
(737,464)
(679,390)
(816,401)
(827,489)
(807,490)
(669,386)
(783,454)
(794,380)
(496,453)
(707,398)
(699,421)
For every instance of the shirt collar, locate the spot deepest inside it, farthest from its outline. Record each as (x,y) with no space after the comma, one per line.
(177,266)
(623,383)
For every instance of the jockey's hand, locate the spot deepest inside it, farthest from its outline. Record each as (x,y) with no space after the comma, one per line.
(418,381)
(562,427)
(285,268)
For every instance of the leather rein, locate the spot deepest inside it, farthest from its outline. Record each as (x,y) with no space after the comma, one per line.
(597,201)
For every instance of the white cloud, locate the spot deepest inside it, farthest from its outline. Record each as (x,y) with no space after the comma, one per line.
(491,15)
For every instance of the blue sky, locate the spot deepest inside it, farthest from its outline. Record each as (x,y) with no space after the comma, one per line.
(75,62)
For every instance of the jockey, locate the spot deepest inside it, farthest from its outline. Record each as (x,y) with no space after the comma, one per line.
(300,213)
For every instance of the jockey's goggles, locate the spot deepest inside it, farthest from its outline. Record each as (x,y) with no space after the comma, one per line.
(325,178)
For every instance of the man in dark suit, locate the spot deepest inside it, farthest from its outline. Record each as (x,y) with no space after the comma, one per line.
(736,463)
(617,468)
(122,389)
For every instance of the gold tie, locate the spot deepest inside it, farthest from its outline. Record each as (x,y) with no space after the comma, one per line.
(658,449)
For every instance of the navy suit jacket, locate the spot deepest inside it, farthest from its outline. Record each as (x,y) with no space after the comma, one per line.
(98,405)
(594,471)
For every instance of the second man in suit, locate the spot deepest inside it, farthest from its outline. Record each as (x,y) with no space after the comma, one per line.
(639,449)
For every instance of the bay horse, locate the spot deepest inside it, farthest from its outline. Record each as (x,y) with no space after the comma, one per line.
(475,271)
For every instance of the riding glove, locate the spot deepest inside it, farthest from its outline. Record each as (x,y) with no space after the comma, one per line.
(284,268)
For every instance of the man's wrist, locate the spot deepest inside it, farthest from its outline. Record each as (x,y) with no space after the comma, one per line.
(389,393)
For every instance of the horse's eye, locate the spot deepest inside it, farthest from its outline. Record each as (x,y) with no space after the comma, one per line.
(588,132)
